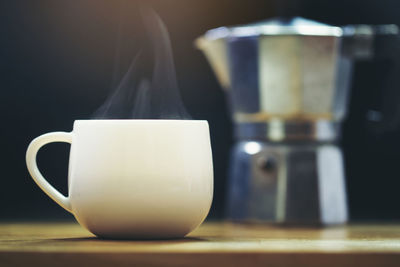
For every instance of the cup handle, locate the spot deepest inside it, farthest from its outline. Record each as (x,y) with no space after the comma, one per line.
(31,152)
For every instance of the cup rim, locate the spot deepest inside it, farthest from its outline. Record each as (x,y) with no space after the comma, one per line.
(139,121)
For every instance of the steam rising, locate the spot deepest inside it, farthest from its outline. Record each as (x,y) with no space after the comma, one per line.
(143,98)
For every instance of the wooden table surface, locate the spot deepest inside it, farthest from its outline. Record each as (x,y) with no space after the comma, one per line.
(213,244)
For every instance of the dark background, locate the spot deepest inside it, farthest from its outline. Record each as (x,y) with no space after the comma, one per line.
(56,65)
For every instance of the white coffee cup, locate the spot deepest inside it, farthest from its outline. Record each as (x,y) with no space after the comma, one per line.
(134,178)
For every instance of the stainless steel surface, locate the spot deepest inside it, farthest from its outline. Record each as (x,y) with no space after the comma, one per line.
(276,26)
(288,81)
(289,131)
(287,76)
(287,184)
(288,69)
